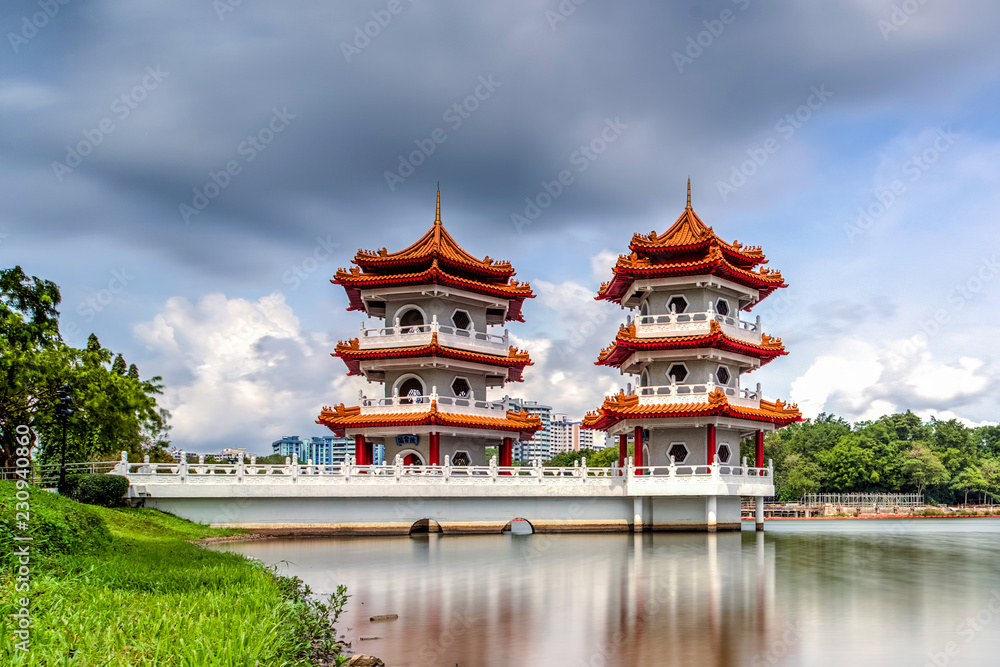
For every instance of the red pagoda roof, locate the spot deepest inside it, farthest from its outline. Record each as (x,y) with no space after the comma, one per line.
(626,342)
(689,247)
(340,418)
(624,407)
(434,259)
(353,355)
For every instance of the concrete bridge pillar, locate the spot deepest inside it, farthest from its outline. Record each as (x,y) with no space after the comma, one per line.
(639,519)
(711,512)
(759,500)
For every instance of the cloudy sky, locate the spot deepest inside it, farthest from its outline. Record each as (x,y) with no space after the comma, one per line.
(191,173)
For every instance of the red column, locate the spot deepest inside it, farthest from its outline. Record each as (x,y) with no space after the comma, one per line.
(622,450)
(435,448)
(638,447)
(507,453)
(760,449)
(711,443)
(360,452)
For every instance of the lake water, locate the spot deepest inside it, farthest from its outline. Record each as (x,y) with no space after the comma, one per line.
(852,592)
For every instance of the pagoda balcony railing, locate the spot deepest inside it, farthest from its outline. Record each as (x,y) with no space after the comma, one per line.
(396,404)
(690,324)
(697,393)
(413,335)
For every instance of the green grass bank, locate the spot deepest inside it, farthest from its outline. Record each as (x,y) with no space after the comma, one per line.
(111,587)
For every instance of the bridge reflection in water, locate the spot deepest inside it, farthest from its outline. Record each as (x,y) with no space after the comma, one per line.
(701,599)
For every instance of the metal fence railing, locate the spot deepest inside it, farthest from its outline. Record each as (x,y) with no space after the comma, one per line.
(47,476)
(864,499)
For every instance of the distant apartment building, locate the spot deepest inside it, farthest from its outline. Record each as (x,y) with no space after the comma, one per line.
(322,450)
(569,436)
(540,446)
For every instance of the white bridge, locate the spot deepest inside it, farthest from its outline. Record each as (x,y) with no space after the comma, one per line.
(393,499)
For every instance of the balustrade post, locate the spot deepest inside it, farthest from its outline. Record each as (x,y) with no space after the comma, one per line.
(757,326)
(583,466)
(447,467)
(295,466)
(239,469)
(493,469)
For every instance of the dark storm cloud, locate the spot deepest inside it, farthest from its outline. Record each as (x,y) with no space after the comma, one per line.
(556,89)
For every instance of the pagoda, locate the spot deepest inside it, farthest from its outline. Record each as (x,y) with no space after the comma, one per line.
(687,348)
(433,353)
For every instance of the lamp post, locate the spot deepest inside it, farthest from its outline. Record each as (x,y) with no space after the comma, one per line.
(64,410)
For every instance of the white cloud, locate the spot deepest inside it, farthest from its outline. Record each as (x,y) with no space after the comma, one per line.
(861,381)
(601,265)
(241,373)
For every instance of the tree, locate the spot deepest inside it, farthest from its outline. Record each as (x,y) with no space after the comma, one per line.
(969,479)
(848,466)
(114,410)
(924,468)
(29,354)
(802,477)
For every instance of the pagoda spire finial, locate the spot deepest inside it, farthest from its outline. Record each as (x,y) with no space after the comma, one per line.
(437,213)
(689,192)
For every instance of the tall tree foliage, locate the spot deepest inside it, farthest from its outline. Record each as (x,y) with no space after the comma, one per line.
(898,453)
(115,409)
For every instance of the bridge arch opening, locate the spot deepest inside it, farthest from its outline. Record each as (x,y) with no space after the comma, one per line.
(425,526)
(519,526)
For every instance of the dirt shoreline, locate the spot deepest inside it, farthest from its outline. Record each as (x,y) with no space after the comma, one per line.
(878,516)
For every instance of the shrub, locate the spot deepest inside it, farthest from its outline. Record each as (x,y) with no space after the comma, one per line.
(103,490)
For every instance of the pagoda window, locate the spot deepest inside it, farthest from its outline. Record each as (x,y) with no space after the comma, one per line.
(411,317)
(724,453)
(677,372)
(460,387)
(461,458)
(723,375)
(679,451)
(722,307)
(677,304)
(461,319)
(409,389)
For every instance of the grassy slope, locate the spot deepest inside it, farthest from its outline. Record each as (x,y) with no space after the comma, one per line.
(123,587)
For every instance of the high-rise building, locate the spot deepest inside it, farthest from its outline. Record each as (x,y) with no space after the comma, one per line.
(540,446)
(321,450)
(567,435)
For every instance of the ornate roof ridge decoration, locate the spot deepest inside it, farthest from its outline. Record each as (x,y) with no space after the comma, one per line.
(632,267)
(340,418)
(352,354)
(354,280)
(436,243)
(627,342)
(622,407)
